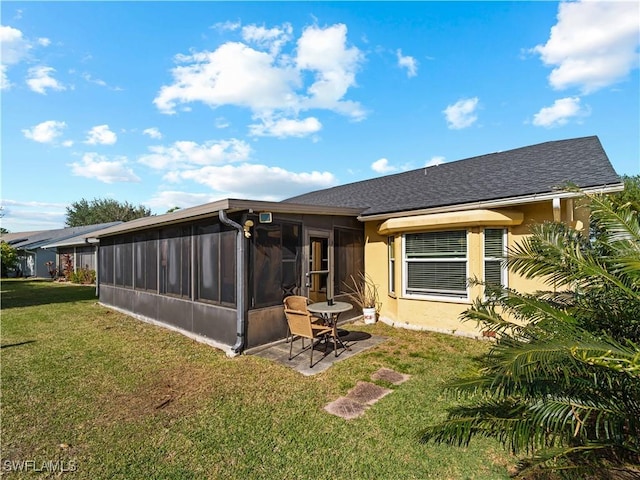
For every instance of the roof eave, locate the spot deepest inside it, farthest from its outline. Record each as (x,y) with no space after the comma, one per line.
(500,203)
(212,209)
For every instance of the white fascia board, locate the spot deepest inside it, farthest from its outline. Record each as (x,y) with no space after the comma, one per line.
(501,203)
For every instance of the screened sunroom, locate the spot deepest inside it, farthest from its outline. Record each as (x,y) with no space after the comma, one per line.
(219,272)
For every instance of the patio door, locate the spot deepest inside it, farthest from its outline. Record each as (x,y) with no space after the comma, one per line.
(318,265)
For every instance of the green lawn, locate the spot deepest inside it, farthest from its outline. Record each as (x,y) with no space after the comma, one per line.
(112,397)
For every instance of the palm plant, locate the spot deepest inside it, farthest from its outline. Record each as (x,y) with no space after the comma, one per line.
(561,384)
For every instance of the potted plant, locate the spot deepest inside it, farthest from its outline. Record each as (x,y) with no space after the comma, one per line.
(364,293)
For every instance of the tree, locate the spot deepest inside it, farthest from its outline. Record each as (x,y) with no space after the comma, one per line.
(630,194)
(562,381)
(8,258)
(104,210)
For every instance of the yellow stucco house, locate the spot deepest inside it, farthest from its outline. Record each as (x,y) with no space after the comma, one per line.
(428,231)
(218,272)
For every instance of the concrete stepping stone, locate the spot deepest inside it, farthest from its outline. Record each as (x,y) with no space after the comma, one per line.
(346,408)
(390,376)
(367,393)
(358,399)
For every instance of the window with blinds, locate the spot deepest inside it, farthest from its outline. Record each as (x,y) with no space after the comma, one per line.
(436,263)
(495,271)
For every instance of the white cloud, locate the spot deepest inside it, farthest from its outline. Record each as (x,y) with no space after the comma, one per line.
(325,51)
(257,182)
(437,160)
(153,132)
(101,135)
(271,39)
(168,199)
(265,80)
(97,81)
(101,168)
(593,45)
(382,166)
(461,114)
(226,26)
(560,112)
(221,122)
(408,62)
(21,216)
(5,84)
(15,47)
(234,74)
(67,143)
(39,79)
(187,154)
(285,127)
(45,132)
(19,203)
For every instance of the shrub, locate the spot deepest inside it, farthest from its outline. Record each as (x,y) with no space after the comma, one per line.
(84,276)
(562,381)
(8,258)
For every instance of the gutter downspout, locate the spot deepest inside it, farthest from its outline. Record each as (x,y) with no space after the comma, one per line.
(240,296)
(96,259)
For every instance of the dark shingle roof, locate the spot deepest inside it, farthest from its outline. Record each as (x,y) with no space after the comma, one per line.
(42,238)
(531,170)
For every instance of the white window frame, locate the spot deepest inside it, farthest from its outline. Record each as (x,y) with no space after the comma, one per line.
(443,297)
(504,271)
(391,254)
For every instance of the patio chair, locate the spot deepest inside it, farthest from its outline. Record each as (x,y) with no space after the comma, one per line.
(298,302)
(301,325)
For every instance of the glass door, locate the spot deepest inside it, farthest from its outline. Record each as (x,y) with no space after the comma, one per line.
(319,263)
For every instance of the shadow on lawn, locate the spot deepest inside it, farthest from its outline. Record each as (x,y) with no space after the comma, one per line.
(16,344)
(29,293)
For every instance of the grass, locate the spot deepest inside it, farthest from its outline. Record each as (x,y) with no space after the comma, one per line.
(113,397)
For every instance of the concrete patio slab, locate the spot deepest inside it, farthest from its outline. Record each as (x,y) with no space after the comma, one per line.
(356,342)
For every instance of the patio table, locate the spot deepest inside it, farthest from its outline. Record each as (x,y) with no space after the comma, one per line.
(330,314)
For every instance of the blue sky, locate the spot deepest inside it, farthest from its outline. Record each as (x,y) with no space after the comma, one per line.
(180,103)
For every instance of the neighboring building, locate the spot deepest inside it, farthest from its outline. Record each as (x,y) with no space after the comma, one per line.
(30,254)
(218,272)
(37,248)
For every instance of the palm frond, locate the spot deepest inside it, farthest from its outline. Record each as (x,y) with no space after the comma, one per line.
(562,380)
(549,253)
(620,224)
